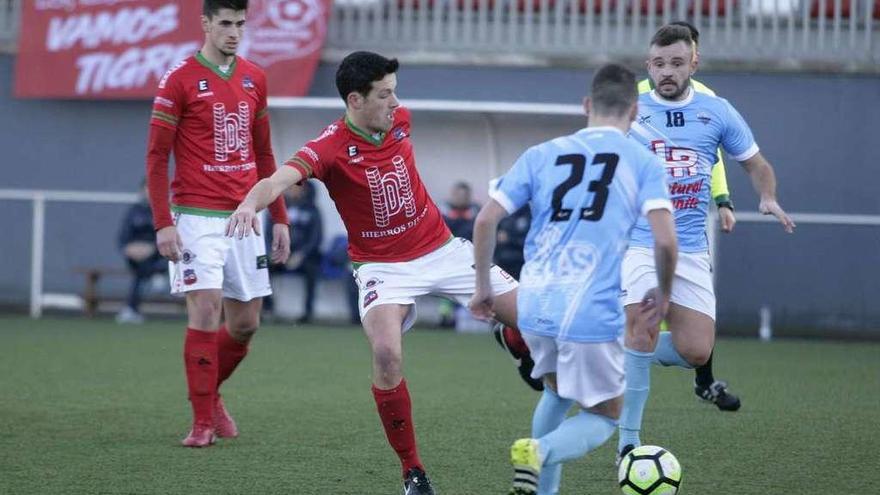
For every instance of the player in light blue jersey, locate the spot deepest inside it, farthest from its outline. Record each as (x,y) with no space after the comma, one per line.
(684,129)
(585,191)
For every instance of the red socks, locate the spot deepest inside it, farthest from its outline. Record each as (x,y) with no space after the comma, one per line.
(201,363)
(230,352)
(395,410)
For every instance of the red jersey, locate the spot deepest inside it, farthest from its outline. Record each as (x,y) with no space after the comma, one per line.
(374,182)
(221,136)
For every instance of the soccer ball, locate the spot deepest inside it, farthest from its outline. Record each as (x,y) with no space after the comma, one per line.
(649,470)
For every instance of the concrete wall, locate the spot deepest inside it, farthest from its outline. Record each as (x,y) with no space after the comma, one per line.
(817,130)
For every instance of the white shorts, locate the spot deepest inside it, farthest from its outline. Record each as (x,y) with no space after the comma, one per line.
(447,271)
(210,260)
(588,372)
(692,286)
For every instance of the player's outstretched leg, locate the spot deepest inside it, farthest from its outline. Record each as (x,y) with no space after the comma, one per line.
(200,360)
(549,414)
(715,391)
(383,325)
(573,439)
(510,339)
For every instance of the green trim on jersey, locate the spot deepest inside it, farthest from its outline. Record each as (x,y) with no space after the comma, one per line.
(165,117)
(364,134)
(216,68)
(718,186)
(357,264)
(202,212)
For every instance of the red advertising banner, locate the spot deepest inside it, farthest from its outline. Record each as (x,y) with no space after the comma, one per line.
(110,49)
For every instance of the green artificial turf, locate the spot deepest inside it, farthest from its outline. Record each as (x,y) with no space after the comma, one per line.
(91,407)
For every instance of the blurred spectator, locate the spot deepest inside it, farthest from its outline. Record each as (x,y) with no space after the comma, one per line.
(337,265)
(305,244)
(460,211)
(512,233)
(137,241)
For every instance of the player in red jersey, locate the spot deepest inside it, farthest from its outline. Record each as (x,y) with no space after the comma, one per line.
(397,238)
(211,111)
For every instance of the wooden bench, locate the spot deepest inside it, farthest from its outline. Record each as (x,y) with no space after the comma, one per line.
(92,297)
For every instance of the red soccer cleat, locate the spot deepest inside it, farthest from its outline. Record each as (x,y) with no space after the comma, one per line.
(224,425)
(199,436)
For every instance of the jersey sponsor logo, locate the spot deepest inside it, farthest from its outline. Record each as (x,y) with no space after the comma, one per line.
(232,132)
(203,84)
(284,30)
(391,193)
(680,162)
(244,167)
(559,264)
(165,102)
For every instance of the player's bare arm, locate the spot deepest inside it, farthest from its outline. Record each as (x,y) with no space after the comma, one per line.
(665,258)
(485,232)
(764,182)
(244,220)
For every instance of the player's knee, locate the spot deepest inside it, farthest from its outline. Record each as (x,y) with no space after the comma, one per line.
(387,357)
(205,311)
(641,339)
(243,332)
(696,357)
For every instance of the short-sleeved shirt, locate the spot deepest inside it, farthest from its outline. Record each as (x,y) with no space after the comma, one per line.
(685,135)
(381,198)
(585,191)
(213,113)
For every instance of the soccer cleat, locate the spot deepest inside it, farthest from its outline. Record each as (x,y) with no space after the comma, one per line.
(511,341)
(625,450)
(717,394)
(417,483)
(224,425)
(199,436)
(526,466)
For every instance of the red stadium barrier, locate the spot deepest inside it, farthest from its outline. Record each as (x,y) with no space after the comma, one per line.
(845,8)
(706,9)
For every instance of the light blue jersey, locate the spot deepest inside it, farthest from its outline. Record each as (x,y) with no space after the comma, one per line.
(686,136)
(585,191)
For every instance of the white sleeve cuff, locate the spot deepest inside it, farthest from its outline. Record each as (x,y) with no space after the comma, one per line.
(752,151)
(657,204)
(503,200)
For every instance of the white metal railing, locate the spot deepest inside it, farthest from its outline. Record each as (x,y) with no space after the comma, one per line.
(781,33)
(38,199)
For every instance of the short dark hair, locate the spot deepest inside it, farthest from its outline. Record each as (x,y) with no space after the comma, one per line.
(695,34)
(358,70)
(462,185)
(671,34)
(211,7)
(614,90)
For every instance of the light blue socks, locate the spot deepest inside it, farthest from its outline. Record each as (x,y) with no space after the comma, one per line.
(665,353)
(637,369)
(549,414)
